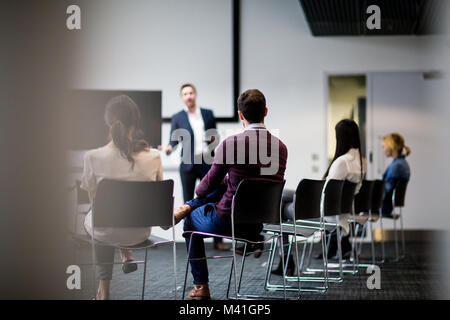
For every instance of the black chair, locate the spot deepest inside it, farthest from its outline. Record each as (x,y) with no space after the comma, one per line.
(377,204)
(132,204)
(331,207)
(306,205)
(363,208)
(255,201)
(398,202)
(347,207)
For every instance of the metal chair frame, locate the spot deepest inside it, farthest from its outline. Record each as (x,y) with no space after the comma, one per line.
(152,241)
(234,239)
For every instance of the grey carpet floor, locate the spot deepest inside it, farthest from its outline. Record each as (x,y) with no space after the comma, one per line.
(415,277)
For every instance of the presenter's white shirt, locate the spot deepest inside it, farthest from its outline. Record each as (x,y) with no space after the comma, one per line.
(198,128)
(347,167)
(107,162)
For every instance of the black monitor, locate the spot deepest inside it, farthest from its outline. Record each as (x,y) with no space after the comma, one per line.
(86,126)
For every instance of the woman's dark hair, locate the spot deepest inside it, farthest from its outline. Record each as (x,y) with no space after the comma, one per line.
(122,116)
(347,137)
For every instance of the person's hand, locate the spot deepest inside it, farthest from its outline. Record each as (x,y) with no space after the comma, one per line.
(167,150)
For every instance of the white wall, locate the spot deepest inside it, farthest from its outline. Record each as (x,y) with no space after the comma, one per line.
(281,58)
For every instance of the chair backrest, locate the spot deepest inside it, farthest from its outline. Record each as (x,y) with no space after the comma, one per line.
(257,201)
(332,197)
(307,199)
(400,192)
(348,196)
(132,204)
(363,199)
(377,195)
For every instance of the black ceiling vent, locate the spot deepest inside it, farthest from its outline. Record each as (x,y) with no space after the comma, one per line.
(349,17)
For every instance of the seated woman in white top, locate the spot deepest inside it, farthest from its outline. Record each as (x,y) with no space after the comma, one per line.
(124,158)
(348,164)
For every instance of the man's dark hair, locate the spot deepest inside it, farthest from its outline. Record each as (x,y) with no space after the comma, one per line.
(252,104)
(188,85)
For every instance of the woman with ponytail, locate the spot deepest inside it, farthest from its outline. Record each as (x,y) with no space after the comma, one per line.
(125,157)
(394,146)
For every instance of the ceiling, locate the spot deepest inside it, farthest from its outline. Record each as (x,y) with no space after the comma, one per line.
(398,17)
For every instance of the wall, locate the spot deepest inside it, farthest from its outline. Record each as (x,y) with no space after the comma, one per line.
(281,58)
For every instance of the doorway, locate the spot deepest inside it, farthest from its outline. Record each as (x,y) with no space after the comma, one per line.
(346,100)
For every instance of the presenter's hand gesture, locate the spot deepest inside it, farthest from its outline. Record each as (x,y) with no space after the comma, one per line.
(167,150)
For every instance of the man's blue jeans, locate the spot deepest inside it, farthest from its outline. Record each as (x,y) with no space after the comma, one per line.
(203,218)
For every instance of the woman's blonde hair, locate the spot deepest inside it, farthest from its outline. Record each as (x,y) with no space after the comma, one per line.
(396,143)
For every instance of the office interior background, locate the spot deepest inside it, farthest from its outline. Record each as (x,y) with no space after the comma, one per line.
(310,80)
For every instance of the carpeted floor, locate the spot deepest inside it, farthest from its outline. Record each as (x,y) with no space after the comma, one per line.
(415,277)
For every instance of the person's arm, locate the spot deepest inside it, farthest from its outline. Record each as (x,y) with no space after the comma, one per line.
(215,176)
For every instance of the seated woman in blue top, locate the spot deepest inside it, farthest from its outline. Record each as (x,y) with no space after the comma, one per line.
(394,146)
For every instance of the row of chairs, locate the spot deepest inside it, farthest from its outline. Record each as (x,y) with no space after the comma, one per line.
(255,201)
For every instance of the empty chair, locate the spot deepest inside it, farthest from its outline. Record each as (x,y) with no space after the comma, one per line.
(307,205)
(133,204)
(331,207)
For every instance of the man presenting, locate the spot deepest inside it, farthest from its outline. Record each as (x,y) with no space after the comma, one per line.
(197,121)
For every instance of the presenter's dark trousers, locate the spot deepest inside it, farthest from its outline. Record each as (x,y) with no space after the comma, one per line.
(189,178)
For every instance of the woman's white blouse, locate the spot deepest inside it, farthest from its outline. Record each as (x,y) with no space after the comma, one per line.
(348,167)
(107,162)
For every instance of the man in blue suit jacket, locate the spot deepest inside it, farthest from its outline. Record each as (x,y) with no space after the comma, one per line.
(197,121)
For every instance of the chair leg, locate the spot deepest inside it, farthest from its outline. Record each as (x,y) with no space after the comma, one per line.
(403,234)
(283,264)
(299,266)
(396,240)
(268,267)
(242,267)
(383,252)
(145,273)
(229,279)
(354,253)
(372,242)
(273,246)
(310,254)
(175,265)
(324,257)
(187,267)
(302,261)
(338,230)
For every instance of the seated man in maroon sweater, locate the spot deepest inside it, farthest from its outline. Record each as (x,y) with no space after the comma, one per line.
(253,153)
